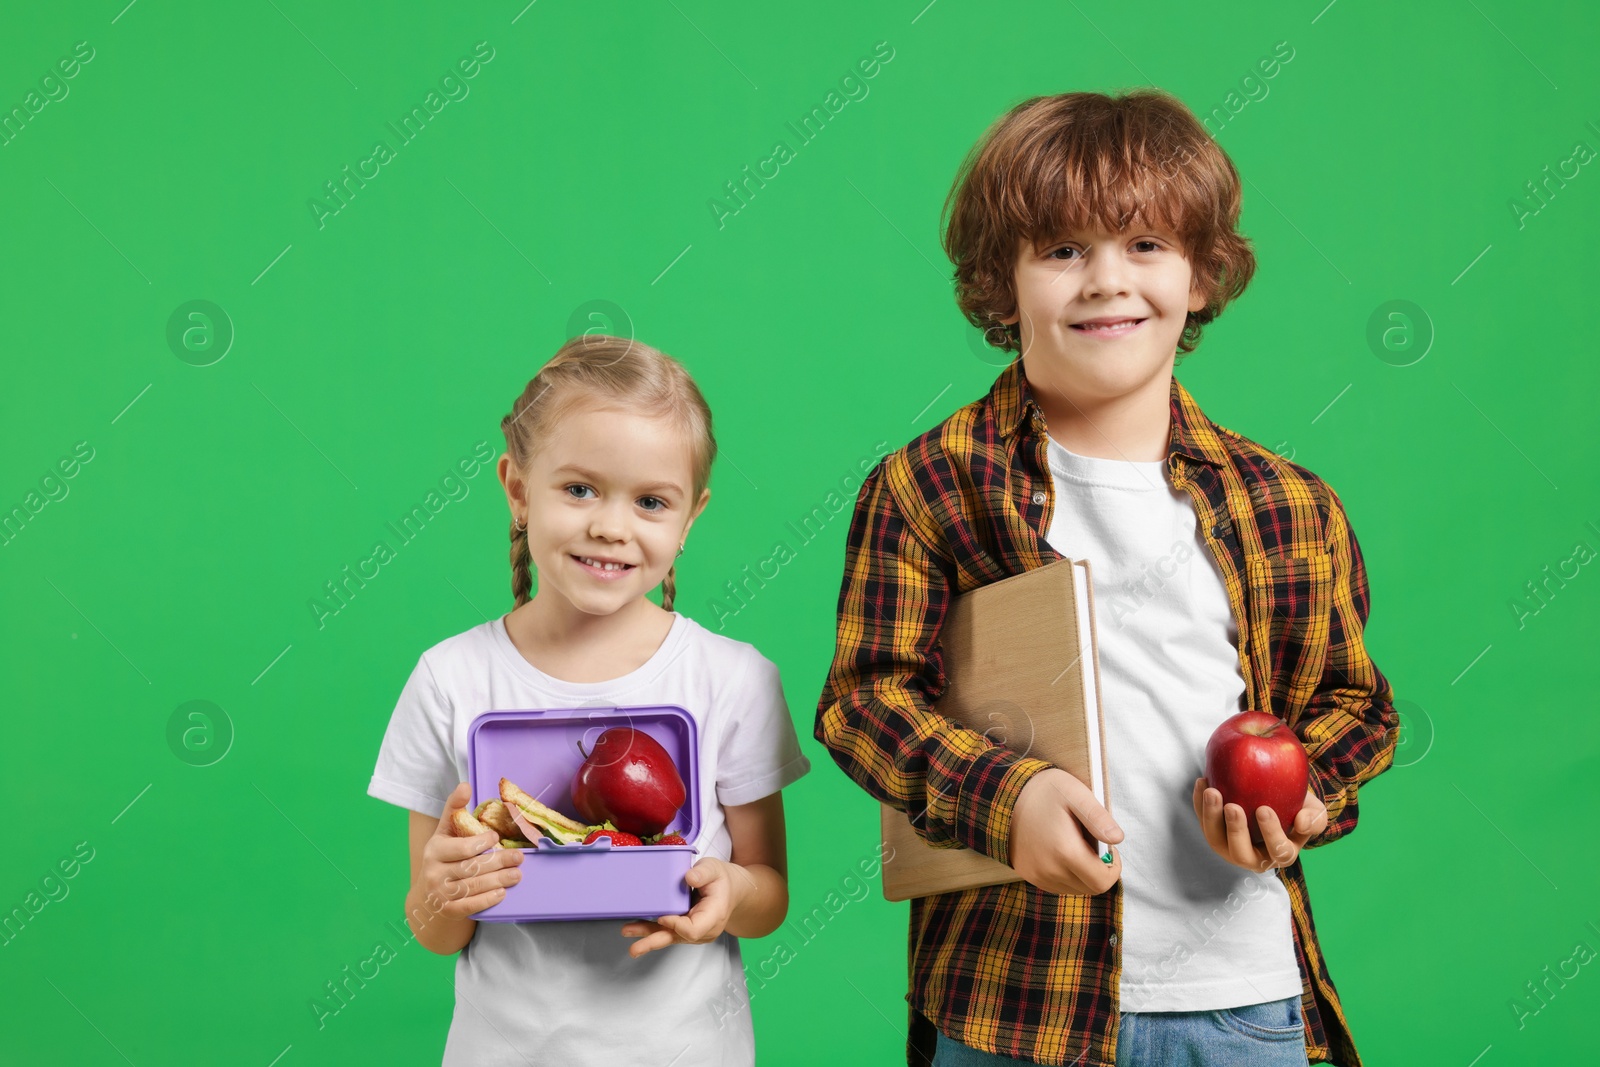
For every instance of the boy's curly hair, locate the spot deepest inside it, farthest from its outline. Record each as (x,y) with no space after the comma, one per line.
(1080,161)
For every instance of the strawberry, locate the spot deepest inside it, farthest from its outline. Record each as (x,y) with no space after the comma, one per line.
(671,839)
(618,837)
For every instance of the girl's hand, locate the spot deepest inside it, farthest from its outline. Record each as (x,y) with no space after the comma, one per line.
(1228,832)
(458,872)
(722,885)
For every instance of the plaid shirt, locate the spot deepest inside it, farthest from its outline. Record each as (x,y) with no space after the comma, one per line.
(1013,969)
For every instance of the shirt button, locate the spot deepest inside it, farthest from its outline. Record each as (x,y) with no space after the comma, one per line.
(1113,940)
(1039,497)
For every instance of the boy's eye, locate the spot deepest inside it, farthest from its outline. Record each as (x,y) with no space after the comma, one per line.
(1065,253)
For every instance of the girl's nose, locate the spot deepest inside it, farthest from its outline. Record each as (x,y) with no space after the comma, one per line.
(608,524)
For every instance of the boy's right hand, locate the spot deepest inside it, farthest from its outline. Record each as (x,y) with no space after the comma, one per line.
(1050,845)
(459,871)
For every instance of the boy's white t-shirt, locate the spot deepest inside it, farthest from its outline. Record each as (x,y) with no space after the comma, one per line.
(568,992)
(1198,933)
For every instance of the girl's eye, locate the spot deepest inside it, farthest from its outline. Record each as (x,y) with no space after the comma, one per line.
(581,488)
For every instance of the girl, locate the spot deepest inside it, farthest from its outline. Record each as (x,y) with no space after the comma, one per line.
(608,455)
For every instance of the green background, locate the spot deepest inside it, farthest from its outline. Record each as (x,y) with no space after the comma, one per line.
(373,353)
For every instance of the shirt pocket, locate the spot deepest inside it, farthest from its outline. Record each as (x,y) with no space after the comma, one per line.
(1291,598)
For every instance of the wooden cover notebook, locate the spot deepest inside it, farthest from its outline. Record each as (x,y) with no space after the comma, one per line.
(1022,669)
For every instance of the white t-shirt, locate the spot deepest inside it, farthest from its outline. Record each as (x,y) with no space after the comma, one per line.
(1198,933)
(568,993)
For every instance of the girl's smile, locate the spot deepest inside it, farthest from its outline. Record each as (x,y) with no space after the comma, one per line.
(605,572)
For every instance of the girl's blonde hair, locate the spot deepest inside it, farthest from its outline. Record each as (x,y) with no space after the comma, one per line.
(601,372)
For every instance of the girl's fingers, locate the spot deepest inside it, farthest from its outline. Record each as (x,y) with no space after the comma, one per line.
(469,906)
(459,796)
(477,865)
(458,849)
(659,939)
(467,888)
(692,927)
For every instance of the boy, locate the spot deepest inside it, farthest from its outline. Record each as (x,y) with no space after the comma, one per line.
(1096,236)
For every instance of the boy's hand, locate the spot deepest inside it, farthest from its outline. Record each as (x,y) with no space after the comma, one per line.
(1053,828)
(720,885)
(1228,832)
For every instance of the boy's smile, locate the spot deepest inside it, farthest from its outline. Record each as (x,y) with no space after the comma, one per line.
(1101,314)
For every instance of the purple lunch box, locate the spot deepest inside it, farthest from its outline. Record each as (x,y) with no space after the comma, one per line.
(538,751)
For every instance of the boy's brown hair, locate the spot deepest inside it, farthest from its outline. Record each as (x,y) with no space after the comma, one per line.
(1080,161)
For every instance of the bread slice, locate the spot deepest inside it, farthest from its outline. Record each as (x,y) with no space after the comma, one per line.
(497,817)
(464,824)
(556,826)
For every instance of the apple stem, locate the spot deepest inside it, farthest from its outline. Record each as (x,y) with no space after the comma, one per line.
(580,748)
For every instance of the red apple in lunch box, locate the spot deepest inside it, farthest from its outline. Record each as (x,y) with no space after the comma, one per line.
(1253,759)
(629,779)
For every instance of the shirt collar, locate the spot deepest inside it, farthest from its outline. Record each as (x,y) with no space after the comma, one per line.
(1193,434)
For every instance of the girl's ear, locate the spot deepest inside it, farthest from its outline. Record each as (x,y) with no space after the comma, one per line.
(705,498)
(516,490)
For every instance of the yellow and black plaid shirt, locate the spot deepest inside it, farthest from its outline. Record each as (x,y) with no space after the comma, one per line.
(1013,969)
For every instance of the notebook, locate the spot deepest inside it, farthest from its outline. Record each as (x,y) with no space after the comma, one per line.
(1022,668)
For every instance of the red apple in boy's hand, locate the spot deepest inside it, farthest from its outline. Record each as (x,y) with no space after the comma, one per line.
(1253,759)
(629,779)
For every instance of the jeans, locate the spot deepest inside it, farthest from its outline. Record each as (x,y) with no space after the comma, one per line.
(1270,1034)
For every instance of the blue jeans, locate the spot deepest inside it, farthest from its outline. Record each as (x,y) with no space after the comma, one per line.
(1270,1034)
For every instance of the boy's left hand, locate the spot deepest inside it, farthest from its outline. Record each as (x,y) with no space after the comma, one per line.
(1228,833)
(719,887)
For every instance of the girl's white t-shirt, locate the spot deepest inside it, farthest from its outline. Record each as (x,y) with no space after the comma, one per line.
(1198,933)
(568,992)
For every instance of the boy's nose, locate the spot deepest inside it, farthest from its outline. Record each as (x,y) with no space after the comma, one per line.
(1104,273)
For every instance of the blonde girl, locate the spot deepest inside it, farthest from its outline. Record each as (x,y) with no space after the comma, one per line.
(607,467)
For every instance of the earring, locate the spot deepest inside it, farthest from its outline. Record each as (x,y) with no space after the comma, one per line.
(521,525)
(680,550)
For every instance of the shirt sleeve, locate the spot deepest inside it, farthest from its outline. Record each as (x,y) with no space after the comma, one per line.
(877,711)
(1350,727)
(417,764)
(759,751)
